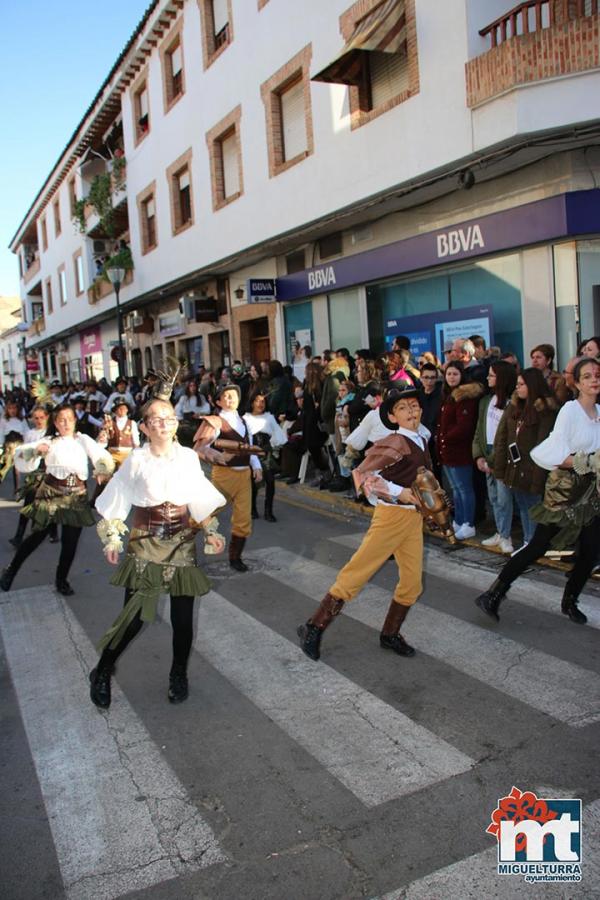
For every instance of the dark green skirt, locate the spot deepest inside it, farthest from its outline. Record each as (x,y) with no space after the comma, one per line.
(52,507)
(154,566)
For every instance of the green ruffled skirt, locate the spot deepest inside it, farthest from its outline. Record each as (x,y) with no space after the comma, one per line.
(51,506)
(570,520)
(154,566)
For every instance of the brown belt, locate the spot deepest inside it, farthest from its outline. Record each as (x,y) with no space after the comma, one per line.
(69,485)
(165,520)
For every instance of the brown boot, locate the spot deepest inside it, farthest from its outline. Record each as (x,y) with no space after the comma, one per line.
(236,545)
(390,637)
(310,634)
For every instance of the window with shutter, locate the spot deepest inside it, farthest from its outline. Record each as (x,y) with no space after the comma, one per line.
(220,15)
(293,121)
(185,199)
(388,76)
(231,179)
(176,62)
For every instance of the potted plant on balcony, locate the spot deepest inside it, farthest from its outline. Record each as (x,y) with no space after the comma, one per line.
(121,259)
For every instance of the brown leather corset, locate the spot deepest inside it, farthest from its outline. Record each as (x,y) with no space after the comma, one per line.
(163,521)
(69,485)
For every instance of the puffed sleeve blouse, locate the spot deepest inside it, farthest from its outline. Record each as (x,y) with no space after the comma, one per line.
(66,456)
(573,431)
(145,480)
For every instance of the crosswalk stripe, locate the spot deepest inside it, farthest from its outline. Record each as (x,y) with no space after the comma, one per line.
(537,595)
(560,689)
(475,876)
(120,818)
(376,752)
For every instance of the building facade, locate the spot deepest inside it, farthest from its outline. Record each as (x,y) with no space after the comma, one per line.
(390,166)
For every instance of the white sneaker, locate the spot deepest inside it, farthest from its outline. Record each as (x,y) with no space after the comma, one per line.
(514,553)
(465,531)
(492,541)
(505,545)
(455,527)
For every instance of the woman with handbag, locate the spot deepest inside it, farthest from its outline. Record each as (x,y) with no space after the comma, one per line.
(571,505)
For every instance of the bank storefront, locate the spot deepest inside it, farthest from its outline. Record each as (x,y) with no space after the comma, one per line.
(533,270)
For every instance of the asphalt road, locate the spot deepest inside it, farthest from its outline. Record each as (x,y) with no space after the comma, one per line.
(364,775)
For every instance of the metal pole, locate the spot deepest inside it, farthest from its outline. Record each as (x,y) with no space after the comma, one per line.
(120,331)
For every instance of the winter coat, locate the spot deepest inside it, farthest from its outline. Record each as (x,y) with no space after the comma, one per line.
(524,475)
(456,426)
(337,370)
(480,445)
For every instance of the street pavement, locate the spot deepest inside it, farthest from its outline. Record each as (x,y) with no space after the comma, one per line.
(363,775)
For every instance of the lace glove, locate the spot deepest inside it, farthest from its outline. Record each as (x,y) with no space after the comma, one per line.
(104,466)
(210,528)
(109,532)
(583,463)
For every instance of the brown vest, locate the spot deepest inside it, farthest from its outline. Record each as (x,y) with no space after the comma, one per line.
(117,438)
(230,434)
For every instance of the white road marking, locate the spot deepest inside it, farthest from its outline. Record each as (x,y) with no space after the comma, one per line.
(377,753)
(476,876)
(560,689)
(538,595)
(120,818)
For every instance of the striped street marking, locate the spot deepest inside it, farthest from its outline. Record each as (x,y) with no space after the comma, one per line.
(120,818)
(379,754)
(530,593)
(560,689)
(476,876)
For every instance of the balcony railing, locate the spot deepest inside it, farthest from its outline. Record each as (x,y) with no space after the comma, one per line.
(532,15)
(101,288)
(32,269)
(37,326)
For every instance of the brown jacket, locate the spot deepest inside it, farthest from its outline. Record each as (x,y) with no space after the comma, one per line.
(524,475)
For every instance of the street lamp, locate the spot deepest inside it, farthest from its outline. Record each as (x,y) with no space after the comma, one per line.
(116,276)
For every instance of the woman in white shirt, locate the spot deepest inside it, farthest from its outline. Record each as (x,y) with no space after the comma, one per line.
(266,433)
(61,497)
(190,407)
(40,420)
(574,444)
(171,498)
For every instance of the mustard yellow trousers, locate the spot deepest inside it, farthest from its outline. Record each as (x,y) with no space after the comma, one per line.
(392,530)
(236,486)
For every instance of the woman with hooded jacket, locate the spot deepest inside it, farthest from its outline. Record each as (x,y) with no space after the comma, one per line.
(527,421)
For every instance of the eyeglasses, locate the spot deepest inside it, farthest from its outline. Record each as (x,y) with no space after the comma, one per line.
(159,420)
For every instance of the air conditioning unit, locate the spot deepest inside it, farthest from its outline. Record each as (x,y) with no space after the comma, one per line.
(100,248)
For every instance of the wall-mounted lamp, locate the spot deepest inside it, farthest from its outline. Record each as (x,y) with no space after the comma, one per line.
(239,292)
(466,179)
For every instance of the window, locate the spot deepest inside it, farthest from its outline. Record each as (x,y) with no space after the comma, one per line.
(171,55)
(72,195)
(180,186)
(293,121)
(331,245)
(286,96)
(56,212)
(217,31)
(146,202)
(226,159)
(379,61)
(44,229)
(79,278)
(141,111)
(49,305)
(62,284)
(295,262)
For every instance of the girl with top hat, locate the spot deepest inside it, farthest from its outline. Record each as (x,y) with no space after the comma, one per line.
(119,433)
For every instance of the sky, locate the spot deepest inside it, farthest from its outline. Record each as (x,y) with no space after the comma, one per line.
(54,55)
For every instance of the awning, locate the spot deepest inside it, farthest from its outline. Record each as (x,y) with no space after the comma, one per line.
(383,29)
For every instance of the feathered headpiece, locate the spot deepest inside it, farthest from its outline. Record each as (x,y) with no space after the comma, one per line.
(41,393)
(163,388)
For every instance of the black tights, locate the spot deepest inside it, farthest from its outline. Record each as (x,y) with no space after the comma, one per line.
(182,622)
(586,560)
(69,541)
(269,480)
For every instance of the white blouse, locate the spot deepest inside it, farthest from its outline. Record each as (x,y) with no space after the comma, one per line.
(195,403)
(371,429)
(34,435)
(66,456)
(573,431)
(12,424)
(145,479)
(267,423)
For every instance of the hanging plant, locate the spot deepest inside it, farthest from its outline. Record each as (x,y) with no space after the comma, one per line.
(100,199)
(122,259)
(78,215)
(118,171)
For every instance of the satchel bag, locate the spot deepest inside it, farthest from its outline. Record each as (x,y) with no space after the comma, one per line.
(565,489)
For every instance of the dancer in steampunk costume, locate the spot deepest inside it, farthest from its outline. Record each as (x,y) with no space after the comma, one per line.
(40,419)
(226,443)
(171,499)
(119,433)
(61,496)
(389,476)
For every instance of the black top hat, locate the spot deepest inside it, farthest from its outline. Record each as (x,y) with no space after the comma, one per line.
(228,387)
(120,401)
(390,401)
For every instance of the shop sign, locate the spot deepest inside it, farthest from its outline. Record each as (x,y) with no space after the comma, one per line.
(32,365)
(575,213)
(261,290)
(171,325)
(90,341)
(433,331)
(206,310)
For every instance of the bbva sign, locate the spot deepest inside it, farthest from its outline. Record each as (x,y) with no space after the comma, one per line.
(449,243)
(321,278)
